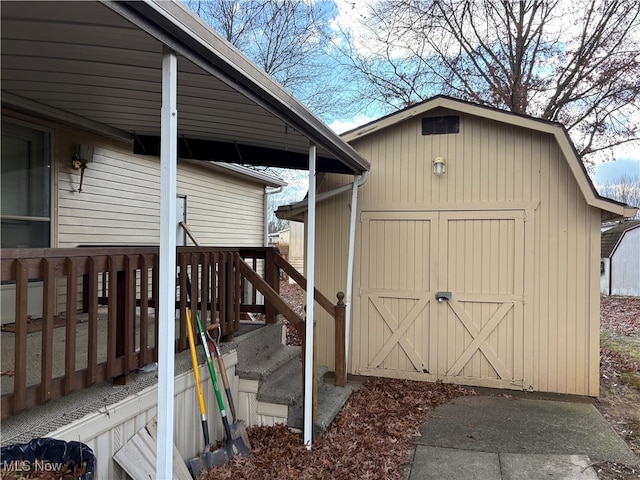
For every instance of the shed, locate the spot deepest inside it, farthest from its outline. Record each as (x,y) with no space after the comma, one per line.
(620,260)
(476,251)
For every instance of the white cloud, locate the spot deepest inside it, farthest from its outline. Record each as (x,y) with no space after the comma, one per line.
(341,126)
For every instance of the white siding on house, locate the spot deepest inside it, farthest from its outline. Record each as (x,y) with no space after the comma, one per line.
(625,265)
(107,430)
(296,245)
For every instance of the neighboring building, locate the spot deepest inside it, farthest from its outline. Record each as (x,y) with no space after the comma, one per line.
(620,260)
(296,245)
(476,252)
(291,245)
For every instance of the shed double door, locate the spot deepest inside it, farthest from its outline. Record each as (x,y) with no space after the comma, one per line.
(475,261)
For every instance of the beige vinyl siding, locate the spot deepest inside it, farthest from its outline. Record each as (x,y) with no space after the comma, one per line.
(547,339)
(222,211)
(120,200)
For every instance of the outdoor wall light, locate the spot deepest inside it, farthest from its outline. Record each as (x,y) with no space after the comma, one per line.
(439,166)
(82,155)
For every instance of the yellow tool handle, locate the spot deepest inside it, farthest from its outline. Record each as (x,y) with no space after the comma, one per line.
(194,362)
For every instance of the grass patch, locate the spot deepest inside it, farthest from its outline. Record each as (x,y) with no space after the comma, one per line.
(624,351)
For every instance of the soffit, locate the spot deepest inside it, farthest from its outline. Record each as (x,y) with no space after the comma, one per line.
(99,66)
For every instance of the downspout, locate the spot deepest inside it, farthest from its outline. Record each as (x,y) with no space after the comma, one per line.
(310,256)
(328,194)
(351,247)
(350,262)
(266,212)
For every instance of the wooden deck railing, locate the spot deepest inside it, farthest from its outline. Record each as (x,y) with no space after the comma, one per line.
(273,263)
(107,298)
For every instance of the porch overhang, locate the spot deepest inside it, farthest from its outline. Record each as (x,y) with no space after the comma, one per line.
(97,66)
(151,68)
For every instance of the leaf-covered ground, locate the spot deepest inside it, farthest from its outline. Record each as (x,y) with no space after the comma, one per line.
(373,433)
(619,400)
(369,439)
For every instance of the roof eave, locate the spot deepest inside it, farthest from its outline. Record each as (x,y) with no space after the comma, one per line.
(239,171)
(178,28)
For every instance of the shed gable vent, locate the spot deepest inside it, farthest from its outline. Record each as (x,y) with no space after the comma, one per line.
(440,125)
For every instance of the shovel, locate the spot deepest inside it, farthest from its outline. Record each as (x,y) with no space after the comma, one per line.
(207,459)
(238,428)
(233,447)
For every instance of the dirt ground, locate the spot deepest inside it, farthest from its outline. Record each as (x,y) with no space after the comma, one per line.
(619,400)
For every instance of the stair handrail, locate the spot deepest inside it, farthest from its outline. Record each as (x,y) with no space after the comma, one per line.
(297,277)
(272,296)
(337,311)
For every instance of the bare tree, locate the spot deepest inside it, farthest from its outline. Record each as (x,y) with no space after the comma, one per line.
(576,62)
(625,189)
(288,39)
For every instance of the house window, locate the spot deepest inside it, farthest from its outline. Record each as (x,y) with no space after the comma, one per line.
(440,125)
(26,187)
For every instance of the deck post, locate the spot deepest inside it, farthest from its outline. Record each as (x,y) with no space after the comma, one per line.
(340,363)
(272,277)
(122,327)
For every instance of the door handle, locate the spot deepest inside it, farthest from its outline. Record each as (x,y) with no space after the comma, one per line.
(442,296)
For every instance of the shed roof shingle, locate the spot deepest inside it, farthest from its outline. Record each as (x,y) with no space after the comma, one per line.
(611,237)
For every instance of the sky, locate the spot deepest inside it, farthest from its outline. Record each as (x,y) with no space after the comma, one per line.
(346,15)
(609,172)
(627,158)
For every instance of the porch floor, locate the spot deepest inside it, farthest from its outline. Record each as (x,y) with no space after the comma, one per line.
(39,421)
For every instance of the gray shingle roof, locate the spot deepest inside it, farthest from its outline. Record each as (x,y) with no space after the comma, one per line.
(611,237)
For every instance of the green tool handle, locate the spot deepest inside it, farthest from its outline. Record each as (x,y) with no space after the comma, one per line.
(212,372)
(223,374)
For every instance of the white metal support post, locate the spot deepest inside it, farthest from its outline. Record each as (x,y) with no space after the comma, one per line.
(310,256)
(167,307)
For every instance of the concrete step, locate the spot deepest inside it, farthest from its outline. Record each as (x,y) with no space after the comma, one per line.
(261,352)
(263,356)
(284,386)
(330,400)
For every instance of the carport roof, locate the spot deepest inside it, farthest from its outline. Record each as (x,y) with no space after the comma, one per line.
(98,65)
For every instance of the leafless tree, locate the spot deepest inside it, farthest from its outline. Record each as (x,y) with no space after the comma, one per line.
(575,62)
(288,39)
(624,189)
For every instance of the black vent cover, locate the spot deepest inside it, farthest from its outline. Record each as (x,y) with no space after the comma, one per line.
(440,125)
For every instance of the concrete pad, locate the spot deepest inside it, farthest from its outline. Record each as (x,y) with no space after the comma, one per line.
(433,463)
(516,466)
(510,425)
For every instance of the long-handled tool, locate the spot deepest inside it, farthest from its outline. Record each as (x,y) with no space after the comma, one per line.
(208,458)
(238,428)
(234,445)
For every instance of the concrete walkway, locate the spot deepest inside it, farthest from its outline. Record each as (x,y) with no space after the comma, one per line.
(491,437)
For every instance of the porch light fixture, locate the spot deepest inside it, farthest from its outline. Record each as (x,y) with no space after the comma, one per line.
(439,166)
(82,155)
